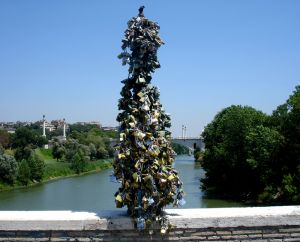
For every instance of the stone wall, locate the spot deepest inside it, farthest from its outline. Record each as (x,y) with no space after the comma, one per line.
(220,224)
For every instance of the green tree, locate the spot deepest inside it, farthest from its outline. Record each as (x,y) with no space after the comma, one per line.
(1,150)
(71,147)
(286,119)
(8,168)
(198,154)
(80,158)
(77,154)
(225,157)
(24,173)
(4,138)
(180,149)
(93,151)
(36,166)
(263,145)
(102,153)
(23,153)
(25,136)
(58,150)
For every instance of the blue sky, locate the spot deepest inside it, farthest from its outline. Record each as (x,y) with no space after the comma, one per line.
(59,58)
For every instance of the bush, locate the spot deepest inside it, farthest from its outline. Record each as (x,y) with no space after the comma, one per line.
(8,168)
(24,173)
(36,166)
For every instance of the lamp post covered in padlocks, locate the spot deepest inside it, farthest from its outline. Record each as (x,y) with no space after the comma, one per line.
(144,157)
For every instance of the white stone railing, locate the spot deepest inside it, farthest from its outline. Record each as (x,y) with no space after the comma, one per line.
(280,223)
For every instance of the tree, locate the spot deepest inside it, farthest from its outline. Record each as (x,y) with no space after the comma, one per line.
(71,147)
(4,138)
(102,153)
(198,154)
(58,150)
(77,154)
(225,157)
(36,166)
(286,119)
(1,150)
(8,168)
(24,173)
(80,158)
(144,155)
(263,145)
(23,153)
(93,151)
(25,136)
(180,149)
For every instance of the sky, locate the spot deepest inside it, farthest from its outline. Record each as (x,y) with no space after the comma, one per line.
(59,57)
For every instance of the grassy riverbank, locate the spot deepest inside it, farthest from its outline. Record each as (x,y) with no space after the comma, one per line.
(57,170)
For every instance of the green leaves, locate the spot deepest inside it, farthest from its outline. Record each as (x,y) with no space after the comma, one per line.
(8,168)
(251,155)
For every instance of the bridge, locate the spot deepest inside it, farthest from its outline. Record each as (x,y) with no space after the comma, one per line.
(260,224)
(191,143)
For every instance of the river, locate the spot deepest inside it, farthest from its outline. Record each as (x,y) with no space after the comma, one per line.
(95,192)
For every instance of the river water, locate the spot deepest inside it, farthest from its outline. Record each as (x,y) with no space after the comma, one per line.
(95,192)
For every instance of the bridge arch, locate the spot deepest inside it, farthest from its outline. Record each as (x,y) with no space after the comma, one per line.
(191,143)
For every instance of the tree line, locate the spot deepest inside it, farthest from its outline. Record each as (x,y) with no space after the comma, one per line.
(252,156)
(85,143)
(20,163)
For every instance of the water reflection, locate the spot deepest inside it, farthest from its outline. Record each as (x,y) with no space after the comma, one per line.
(95,192)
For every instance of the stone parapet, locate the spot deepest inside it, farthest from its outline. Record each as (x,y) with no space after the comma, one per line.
(280,223)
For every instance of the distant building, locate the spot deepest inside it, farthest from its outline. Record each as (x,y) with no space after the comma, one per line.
(53,125)
(108,128)
(11,130)
(98,124)
(48,126)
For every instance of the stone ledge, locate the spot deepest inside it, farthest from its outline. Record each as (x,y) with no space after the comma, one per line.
(280,216)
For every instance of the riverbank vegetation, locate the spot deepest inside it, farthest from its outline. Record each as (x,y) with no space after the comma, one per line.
(180,149)
(24,161)
(253,156)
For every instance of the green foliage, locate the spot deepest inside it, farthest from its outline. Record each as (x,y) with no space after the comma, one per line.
(58,150)
(225,159)
(77,154)
(24,173)
(57,169)
(251,155)
(36,166)
(263,145)
(92,136)
(4,138)
(93,151)
(82,128)
(198,154)
(35,163)
(98,165)
(23,153)
(25,136)
(180,149)
(8,168)
(71,147)
(102,153)
(44,154)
